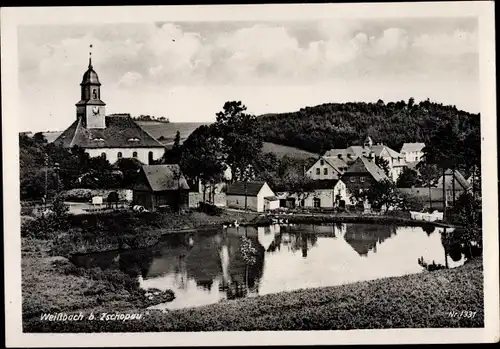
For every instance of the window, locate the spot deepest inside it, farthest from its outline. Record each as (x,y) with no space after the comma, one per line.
(103,155)
(120,155)
(150,158)
(317,202)
(325,171)
(302,202)
(361,179)
(318,171)
(133,139)
(94,94)
(134,154)
(321,162)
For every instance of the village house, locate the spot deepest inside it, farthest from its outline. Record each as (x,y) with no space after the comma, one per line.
(161,186)
(413,152)
(112,137)
(252,195)
(395,160)
(362,174)
(329,193)
(327,167)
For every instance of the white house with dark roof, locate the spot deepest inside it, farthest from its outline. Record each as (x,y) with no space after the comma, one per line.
(252,195)
(113,137)
(413,152)
(327,167)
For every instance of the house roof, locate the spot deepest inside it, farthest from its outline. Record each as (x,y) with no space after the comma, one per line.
(335,161)
(460,181)
(252,188)
(164,177)
(363,165)
(120,132)
(409,147)
(379,148)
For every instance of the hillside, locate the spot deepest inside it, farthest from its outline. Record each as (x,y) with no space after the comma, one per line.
(168,130)
(319,128)
(282,150)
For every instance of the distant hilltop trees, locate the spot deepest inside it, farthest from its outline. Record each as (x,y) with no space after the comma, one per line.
(143,117)
(151,118)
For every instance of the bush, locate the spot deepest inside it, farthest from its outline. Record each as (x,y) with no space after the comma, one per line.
(209,209)
(44,226)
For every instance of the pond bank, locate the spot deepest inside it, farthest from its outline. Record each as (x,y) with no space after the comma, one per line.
(422,300)
(319,218)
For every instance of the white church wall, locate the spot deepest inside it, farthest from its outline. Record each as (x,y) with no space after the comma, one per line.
(112,153)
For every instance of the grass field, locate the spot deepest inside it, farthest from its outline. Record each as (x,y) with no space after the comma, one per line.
(282,150)
(168,130)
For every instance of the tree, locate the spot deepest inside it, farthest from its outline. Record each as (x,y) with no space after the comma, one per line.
(380,194)
(408,178)
(130,168)
(202,157)
(177,140)
(298,185)
(383,164)
(241,142)
(173,155)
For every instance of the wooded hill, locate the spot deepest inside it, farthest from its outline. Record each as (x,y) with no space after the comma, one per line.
(334,125)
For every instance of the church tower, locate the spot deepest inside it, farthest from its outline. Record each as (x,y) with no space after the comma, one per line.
(90,109)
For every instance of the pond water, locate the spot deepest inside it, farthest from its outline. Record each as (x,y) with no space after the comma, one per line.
(208,267)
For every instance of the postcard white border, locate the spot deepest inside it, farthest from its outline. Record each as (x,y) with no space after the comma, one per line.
(12,17)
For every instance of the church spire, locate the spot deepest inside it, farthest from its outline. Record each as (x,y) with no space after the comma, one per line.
(90,57)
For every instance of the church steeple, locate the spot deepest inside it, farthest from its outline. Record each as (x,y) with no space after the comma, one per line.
(90,108)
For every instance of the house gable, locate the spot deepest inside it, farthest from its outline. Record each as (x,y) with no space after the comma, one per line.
(142,183)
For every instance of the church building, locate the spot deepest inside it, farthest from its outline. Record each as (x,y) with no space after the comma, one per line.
(112,137)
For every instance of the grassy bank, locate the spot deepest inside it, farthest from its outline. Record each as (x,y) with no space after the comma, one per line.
(415,301)
(120,230)
(54,284)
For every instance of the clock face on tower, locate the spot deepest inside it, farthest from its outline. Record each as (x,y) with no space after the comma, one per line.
(95,110)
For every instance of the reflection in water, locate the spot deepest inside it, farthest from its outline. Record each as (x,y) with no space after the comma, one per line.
(209,267)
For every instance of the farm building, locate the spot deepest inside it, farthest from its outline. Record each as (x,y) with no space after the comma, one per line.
(252,195)
(161,185)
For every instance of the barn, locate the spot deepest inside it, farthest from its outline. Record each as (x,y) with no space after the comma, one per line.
(161,186)
(252,195)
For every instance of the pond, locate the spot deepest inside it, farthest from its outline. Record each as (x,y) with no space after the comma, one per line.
(208,267)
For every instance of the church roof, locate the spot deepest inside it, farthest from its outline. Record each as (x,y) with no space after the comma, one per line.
(120,132)
(90,76)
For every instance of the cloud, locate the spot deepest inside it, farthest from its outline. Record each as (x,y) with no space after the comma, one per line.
(392,40)
(445,44)
(130,79)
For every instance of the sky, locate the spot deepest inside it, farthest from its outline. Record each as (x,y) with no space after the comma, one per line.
(187,70)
